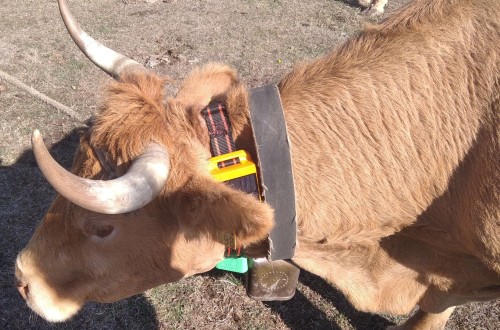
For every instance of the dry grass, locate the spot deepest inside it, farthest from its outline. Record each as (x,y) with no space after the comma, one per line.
(262,39)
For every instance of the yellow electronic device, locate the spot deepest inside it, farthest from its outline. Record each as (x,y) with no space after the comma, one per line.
(229,172)
(238,170)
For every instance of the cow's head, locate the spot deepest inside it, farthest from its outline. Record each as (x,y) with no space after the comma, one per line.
(139,208)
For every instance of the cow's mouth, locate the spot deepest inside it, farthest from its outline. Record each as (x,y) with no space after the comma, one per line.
(54,312)
(42,299)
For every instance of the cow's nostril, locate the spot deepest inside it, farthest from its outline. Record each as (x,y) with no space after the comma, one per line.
(21,285)
(23,289)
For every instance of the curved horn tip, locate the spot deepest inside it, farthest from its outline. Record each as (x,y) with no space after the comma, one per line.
(108,60)
(36,136)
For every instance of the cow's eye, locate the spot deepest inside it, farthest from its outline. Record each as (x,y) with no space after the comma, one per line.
(92,228)
(103,231)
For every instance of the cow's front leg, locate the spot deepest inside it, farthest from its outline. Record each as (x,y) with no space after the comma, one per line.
(374,7)
(425,321)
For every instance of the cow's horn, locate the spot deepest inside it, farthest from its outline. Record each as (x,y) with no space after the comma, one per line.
(141,184)
(107,59)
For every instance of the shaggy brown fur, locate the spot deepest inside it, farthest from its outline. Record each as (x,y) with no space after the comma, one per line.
(395,141)
(206,205)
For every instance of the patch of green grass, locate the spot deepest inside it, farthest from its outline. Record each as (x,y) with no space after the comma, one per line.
(233,279)
(106,29)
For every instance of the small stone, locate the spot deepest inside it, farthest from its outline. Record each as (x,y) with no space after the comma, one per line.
(152,62)
(2,88)
(165,59)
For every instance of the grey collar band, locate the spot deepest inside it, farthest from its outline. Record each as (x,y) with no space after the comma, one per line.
(275,168)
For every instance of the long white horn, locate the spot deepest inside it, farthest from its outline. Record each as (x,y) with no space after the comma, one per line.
(105,58)
(140,185)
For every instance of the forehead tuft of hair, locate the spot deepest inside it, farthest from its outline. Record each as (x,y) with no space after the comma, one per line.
(131,116)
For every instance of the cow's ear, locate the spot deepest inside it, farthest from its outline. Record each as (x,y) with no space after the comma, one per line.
(214,208)
(214,82)
(205,84)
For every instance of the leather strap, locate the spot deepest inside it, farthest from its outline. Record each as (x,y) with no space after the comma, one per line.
(275,166)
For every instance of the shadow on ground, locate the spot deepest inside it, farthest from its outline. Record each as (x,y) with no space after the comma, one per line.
(301,313)
(307,310)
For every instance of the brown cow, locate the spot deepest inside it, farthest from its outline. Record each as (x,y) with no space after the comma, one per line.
(395,140)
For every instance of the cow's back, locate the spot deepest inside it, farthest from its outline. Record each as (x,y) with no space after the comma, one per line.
(379,127)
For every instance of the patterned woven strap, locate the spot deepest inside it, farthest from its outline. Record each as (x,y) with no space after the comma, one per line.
(220,132)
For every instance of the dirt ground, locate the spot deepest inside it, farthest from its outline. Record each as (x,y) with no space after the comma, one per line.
(262,39)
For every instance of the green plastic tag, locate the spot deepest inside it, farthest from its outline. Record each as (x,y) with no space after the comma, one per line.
(236,265)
